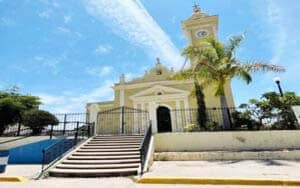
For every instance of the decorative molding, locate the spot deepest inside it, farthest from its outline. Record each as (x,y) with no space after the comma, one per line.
(159,88)
(178,116)
(149,84)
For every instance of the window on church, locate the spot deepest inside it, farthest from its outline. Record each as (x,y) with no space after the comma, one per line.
(158,72)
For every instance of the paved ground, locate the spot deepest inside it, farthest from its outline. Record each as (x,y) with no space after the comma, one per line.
(242,169)
(105,183)
(227,169)
(27,171)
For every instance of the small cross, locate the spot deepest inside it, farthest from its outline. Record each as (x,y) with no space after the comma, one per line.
(196,8)
(157,60)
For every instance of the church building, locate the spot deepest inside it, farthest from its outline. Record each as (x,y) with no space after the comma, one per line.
(170,104)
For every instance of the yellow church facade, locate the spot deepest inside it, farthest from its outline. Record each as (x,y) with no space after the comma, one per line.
(168,102)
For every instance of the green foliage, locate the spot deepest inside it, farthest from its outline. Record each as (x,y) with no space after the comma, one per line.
(215,65)
(36,120)
(201,115)
(270,112)
(10,112)
(244,120)
(191,128)
(13,105)
(212,126)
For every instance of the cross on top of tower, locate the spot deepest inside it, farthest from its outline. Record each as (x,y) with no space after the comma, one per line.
(158,61)
(196,8)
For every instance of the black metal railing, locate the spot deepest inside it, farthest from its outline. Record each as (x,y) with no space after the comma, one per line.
(122,120)
(239,119)
(144,147)
(54,152)
(68,123)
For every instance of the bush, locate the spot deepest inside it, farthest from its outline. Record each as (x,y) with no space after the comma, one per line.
(191,128)
(36,120)
(243,120)
(213,126)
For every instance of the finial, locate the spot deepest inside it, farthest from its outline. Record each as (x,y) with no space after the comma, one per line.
(196,8)
(122,79)
(157,61)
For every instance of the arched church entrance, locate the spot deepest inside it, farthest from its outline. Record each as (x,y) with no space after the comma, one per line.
(163,119)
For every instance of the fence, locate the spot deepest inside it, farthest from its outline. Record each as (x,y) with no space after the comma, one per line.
(122,120)
(68,125)
(212,119)
(56,151)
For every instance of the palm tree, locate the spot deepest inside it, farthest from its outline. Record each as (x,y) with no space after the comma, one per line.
(215,64)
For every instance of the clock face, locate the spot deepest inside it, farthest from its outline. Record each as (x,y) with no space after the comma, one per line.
(201,33)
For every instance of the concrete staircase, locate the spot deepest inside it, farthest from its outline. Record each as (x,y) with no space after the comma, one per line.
(102,156)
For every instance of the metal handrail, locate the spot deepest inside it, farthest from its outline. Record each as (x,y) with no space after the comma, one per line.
(145,146)
(59,148)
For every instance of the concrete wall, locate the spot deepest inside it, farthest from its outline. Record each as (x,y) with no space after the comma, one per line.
(227,141)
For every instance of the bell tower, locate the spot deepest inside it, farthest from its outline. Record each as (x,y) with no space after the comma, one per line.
(200,25)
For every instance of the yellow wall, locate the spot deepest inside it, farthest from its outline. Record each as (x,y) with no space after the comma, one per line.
(228,141)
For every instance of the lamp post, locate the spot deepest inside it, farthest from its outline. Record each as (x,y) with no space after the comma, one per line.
(277,81)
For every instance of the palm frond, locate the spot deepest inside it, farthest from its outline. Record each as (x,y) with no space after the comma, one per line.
(184,75)
(263,67)
(244,75)
(234,43)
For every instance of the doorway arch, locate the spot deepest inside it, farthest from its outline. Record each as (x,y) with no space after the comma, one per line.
(163,119)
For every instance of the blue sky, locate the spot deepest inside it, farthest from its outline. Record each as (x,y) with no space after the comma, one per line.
(71,52)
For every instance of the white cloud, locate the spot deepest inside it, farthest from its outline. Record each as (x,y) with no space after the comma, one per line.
(67,19)
(63,30)
(279,35)
(7,22)
(72,102)
(284,30)
(45,14)
(38,58)
(130,20)
(103,49)
(51,63)
(95,71)
(50,99)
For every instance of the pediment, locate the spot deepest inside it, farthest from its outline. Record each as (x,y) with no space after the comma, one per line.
(160,90)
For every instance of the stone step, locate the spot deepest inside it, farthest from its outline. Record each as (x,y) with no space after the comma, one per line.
(115,142)
(111,144)
(95,162)
(104,157)
(119,136)
(92,172)
(97,166)
(106,153)
(109,147)
(108,150)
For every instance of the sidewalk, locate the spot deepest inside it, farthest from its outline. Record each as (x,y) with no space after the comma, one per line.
(26,171)
(274,169)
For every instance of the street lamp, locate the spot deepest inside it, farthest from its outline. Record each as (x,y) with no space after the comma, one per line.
(277,81)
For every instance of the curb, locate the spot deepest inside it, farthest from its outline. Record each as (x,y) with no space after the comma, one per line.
(13,179)
(218,181)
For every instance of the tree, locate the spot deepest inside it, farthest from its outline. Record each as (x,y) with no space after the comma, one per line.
(12,105)
(10,112)
(272,106)
(201,115)
(37,120)
(216,64)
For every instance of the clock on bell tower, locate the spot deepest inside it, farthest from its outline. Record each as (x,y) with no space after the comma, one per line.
(200,25)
